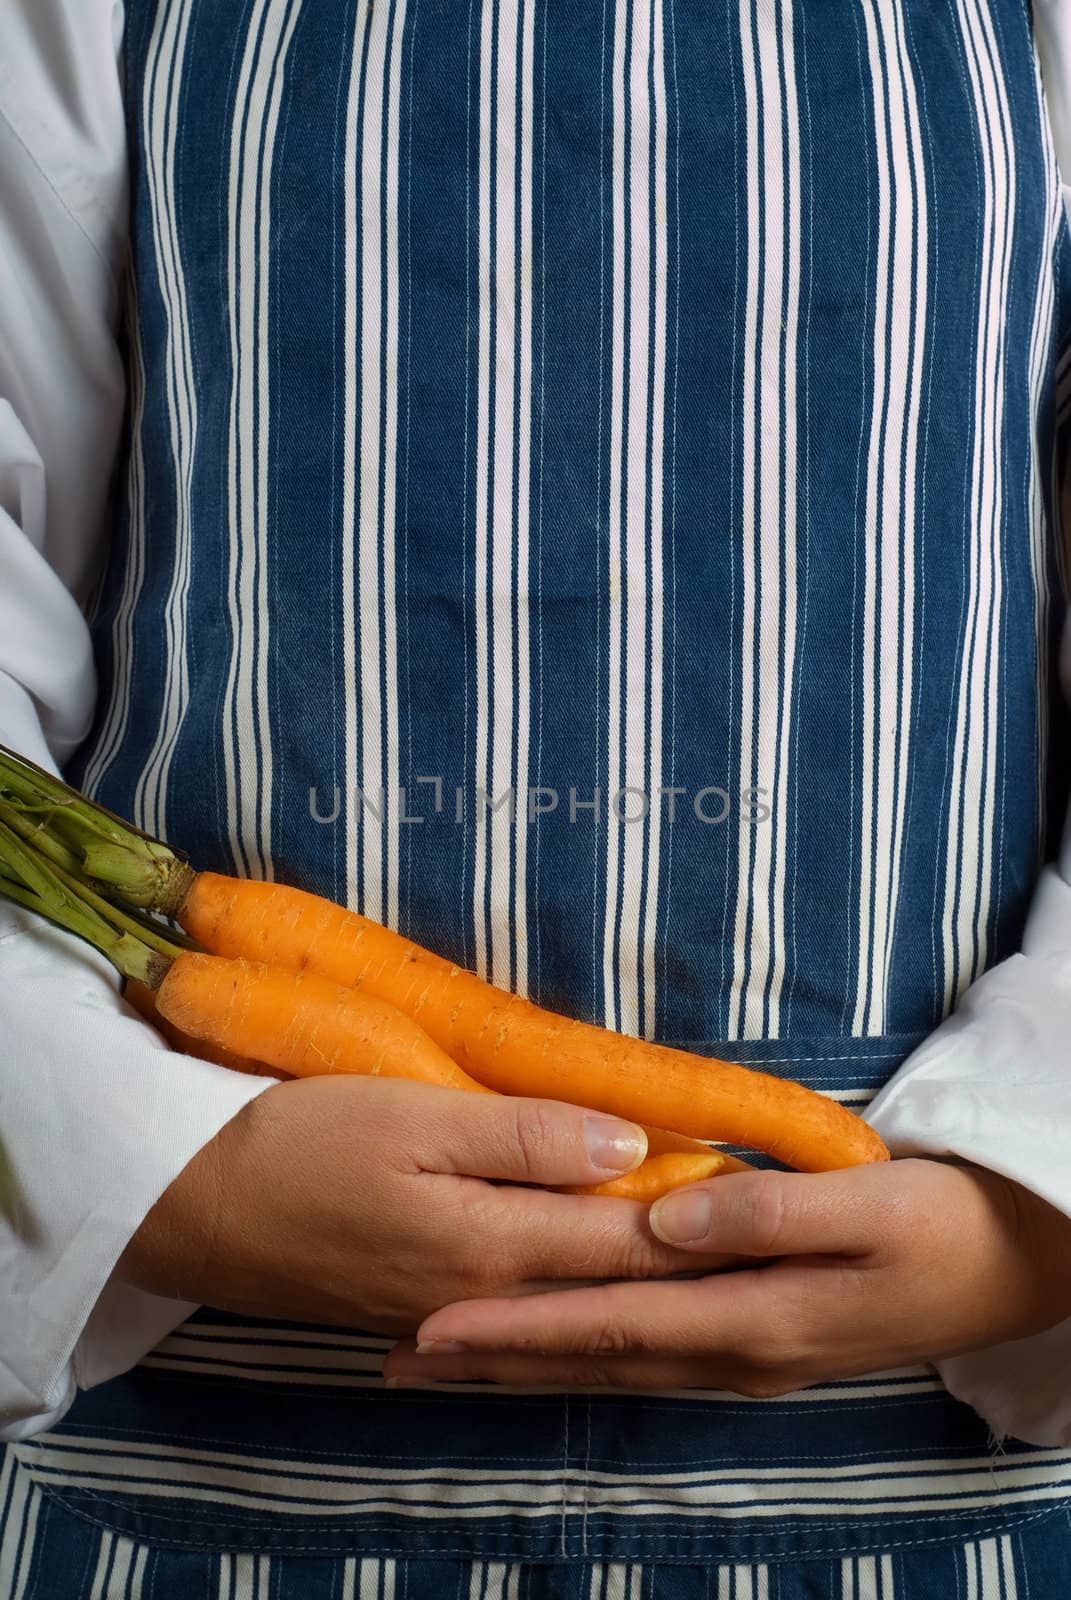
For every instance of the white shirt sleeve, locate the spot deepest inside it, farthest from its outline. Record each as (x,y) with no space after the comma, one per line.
(993,1084)
(96,1114)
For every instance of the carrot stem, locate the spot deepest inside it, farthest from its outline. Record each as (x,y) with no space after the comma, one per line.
(31,880)
(101,846)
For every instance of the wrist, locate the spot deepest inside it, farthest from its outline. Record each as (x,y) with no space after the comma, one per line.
(172,1252)
(1039,1237)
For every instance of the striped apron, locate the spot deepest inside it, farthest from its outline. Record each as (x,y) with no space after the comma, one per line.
(589,502)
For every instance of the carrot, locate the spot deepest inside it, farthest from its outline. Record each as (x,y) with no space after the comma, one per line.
(672,1160)
(514,1046)
(300,1022)
(143,999)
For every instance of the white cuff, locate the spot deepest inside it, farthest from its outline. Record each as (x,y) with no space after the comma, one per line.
(98,1117)
(992,1085)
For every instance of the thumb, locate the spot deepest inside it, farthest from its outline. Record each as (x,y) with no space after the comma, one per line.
(770,1214)
(532,1141)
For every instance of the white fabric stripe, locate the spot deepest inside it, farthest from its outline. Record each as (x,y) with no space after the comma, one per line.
(368,242)
(360,1376)
(106,1455)
(1040,341)
(787,322)
(617,1581)
(19,1500)
(402,1501)
(629,840)
(636,579)
(246,736)
(370,439)
(387,537)
(481,565)
(867,1578)
(488,1580)
(989,1570)
(244,1577)
(889,582)
(114,730)
(654,430)
(252,1333)
(422,1495)
(612,1011)
(970,1565)
(988,692)
(524,455)
(103,1566)
(137,1577)
(968,864)
(350,410)
(503,483)
(379,441)
(258,1355)
(1010,1589)
(873,729)
(164,67)
(504,688)
(743,1584)
(8,1460)
(371,1569)
(768,533)
(117,1583)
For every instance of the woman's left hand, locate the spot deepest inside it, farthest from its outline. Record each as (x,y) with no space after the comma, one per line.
(877,1267)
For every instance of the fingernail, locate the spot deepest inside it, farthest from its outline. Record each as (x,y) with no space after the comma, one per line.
(439,1347)
(682,1218)
(613,1145)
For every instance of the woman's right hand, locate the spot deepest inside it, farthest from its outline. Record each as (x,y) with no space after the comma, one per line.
(366,1202)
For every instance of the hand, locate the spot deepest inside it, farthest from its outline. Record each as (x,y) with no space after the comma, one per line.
(880,1266)
(365,1202)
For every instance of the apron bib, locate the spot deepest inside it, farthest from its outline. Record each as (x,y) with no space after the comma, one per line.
(589,504)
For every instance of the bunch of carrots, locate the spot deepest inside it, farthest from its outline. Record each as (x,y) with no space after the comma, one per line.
(260,977)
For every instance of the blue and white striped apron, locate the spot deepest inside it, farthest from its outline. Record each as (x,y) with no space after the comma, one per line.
(590,503)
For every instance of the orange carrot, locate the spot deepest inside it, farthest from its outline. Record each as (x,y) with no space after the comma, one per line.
(514,1046)
(672,1160)
(300,1022)
(143,999)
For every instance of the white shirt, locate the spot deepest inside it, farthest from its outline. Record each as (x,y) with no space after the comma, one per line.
(97,1115)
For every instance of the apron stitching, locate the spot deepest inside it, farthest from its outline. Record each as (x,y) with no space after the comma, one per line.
(333,1549)
(949,1514)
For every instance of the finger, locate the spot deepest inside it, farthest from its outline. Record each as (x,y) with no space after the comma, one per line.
(528,1141)
(549,1238)
(404,1369)
(732,1316)
(777,1213)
